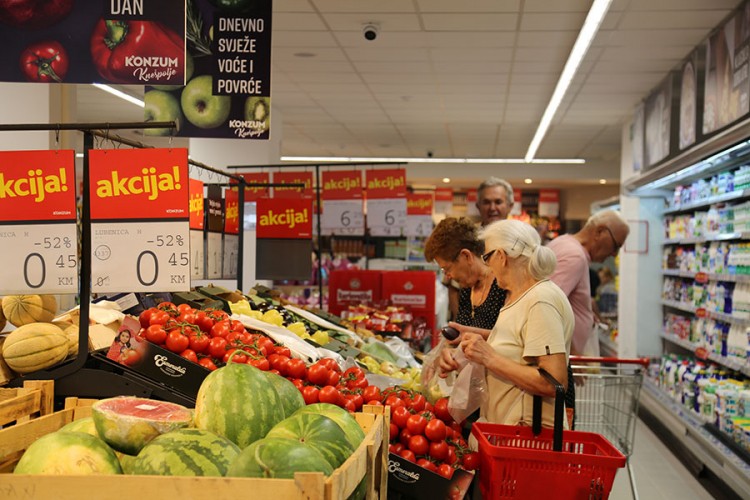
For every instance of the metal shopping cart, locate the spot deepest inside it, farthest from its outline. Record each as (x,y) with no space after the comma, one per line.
(607,395)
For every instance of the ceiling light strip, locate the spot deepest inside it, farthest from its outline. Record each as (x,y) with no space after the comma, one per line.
(363,159)
(590,27)
(120,94)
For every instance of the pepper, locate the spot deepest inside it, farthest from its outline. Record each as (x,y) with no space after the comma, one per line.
(138,52)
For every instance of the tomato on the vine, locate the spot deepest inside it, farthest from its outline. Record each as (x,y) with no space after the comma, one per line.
(177,341)
(404,436)
(356,399)
(46,61)
(333,377)
(419,444)
(407,454)
(331,364)
(279,362)
(310,394)
(217,347)
(426,464)
(183,308)
(159,317)
(145,317)
(399,416)
(393,401)
(441,410)
(223,327)
(350,406)
(416,424)
(329,394)
(260,364)
(396,448)
(445,470)
(207,363)
(156,334)
(435,430)
(318,374)
(239,357)
(371,392)
(417,403)
(470,461)
(393,433)
(439,450)
(296,368)
(190,355)
(199,342)
(282,350)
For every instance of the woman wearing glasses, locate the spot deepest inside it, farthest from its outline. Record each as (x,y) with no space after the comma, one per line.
(533,329)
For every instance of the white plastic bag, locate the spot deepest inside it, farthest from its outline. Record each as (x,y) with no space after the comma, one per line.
(433,386)
(469,389)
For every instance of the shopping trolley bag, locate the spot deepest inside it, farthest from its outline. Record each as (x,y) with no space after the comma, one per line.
(531,462)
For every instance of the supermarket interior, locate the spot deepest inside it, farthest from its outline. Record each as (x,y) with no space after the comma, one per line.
(306,194)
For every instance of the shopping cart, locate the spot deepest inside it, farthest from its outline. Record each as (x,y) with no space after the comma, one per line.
(607,394)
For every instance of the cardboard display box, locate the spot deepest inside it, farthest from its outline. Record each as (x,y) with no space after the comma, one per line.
(413,481)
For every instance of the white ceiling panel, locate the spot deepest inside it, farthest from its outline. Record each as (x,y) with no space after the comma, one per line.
(553,21)
(470,22)
(472,6)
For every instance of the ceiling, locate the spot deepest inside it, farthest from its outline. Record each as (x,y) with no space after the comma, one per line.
(463,79)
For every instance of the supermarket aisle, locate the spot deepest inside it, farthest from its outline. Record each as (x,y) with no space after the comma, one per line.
(658,473)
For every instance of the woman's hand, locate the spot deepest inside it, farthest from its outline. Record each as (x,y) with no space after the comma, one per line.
(476,348)
(446,362)
(463,329)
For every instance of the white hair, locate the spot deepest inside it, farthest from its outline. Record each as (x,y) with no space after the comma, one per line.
(520,241)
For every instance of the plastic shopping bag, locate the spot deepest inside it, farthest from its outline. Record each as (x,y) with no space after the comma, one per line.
(433,386)
(469,388)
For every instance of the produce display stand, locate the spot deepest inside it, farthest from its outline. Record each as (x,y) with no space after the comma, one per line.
(30,408)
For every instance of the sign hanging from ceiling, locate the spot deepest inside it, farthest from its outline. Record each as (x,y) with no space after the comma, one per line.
(227,93)
(386,201)
(343,208)
(97,41)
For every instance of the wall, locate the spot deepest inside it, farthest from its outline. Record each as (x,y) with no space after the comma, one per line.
(576,201)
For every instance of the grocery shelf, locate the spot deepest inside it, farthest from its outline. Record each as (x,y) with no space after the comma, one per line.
(705,202)
(727,318)
(716,358)
(737,278)
(689,430)
(705,239)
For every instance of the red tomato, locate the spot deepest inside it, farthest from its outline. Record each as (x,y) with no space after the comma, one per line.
(183,308)
(445,470)
(207,363)
(284,351)
(426,464)
(329,394)
(318,374)
(260,364)
(217,347)
(130,357)
(408,455)
(145,317)
(435,430)
(199,342)
(298,383)
(399,416)
(375,402)
(416,424)
(404,436)
(190,355)
(396,448)
(296,368)
(417,403)
(350,406)
(265,343)
(470,461)
(46,61)
(357,399)
(310,394)
(394,430)
(279,362)
(331,364)
(159,317)
(333,377)
(419,444)
(186,317)
(393,401)
(441,410)
(223,327)
(371,392)
(168,307)
(239,357)
(176,341)
(439,450)
(156,334)
(204,321)
(451,458)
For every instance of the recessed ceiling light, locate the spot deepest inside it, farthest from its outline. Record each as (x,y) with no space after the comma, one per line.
(602,181)
(304,54)
(527,181)
(446,180)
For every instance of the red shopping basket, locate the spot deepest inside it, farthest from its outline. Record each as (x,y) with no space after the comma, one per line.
(531,462)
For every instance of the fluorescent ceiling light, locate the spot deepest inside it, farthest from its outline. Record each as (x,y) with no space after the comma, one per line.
(120,94)
(583,42)
(366,159)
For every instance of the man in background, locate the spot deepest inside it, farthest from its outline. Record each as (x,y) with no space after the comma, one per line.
(494,200)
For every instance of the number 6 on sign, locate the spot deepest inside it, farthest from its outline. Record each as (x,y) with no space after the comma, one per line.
(386,217)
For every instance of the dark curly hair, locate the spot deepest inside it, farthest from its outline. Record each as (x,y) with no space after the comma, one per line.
(450,236)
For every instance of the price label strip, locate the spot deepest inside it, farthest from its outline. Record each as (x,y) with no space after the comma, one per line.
(419,225)
(343,217)
(231,248)
(197,252)
(214,256)
(140,257)
(386,217)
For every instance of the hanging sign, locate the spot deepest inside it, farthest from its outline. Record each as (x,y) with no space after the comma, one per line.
(343,210)
(386,202)
(517,203)
(471,203)
(443,201)
(419,214)
(293,177)
(139,220)
(549,202)
(256,189)
(197,217)
(231,212)
(197,222)
(284,218)
(214,236)
(38,236)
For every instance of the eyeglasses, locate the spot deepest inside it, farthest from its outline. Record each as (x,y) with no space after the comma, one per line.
(614,240)
(487,256)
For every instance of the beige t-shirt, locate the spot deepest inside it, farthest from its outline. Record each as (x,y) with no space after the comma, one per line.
(538,323)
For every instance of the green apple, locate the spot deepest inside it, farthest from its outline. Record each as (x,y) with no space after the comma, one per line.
(258,109)
(189,68)
(161,107)
(201,107)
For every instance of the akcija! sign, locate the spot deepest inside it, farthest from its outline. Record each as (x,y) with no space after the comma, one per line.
(341,185)
(197,218)
(286,218)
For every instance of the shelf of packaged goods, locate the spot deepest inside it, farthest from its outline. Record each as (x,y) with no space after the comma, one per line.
(706,239)
(737,278)
(706,202)
(731,363)
(688,429)
(719,316)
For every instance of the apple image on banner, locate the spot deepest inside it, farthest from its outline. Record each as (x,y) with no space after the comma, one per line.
(161,107)
(201,107)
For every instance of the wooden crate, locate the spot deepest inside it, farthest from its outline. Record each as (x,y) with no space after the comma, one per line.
(369,461)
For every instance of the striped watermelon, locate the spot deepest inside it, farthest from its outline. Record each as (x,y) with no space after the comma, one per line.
(81,425)
(63,453)
(278,458)
(318,432)
(237,402)
(186,452)
(291,397)
(354,433)
(127,423)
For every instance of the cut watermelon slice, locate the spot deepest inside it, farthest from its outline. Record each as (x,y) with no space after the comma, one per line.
(127,423)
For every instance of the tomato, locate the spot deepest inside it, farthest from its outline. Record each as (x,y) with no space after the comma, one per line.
(264,343)
(310,394)
(187,317)
(130,357)
(370,393)
(375,402)
(419,444)
(185,308)
(404,436)
(470,461)
(408,455)
(333,377)
(239,357)
(350,406)
(416,424)
(207,363)
(145,317)
(190,355)
(223,327)
(417,403)
(331,364)
(396,448)
(46,61)
(354,378)
(177,341)
(399,416)
(284,351)
(217,347)
(445,470)
(357,399)
(439,450)
(393,433)
(260,364)
(318,374)
(441,410)
(435,430)
(204,321)
(199,342)
(114,41)
(156,334)
(279,362)
(159,317)
(451,458)
(296,368)
(168,307)
(329,394)
(426,464)
(393,401)
(298,383)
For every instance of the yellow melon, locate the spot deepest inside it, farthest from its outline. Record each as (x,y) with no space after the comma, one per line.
(24,309)
(34,347)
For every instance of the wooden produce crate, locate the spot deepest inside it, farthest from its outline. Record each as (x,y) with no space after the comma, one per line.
(370,461)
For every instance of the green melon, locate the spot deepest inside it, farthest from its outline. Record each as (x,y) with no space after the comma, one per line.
(82,425)
(316,431)
(291,397)
(278,458)
(237,402)
(126,462)
(65,453)
(354,433)
(127,423)
(186,452)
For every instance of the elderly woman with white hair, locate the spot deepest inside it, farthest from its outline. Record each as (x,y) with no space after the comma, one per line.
(533,330)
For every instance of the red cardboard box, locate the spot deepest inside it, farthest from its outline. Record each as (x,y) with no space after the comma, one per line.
(352,288)
(413,289)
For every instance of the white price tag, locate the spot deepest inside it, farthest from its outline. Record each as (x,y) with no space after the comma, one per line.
(343,217)
(140,256)
(386,217)
(213,255)
(418,225)
(38,258)
(231,255)
(197,253)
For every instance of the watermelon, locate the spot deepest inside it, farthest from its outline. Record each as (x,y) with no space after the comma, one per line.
(354,433)
(186,452)
(316,431)
(126,462)
(127,423)
(237,402)
(278,458)
(64,453)
(82,425)
(291,397)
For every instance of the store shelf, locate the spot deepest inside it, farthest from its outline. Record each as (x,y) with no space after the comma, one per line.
(706,202)
(731,363)
(737,278)
(705,239)
(727,318)
(689,430)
